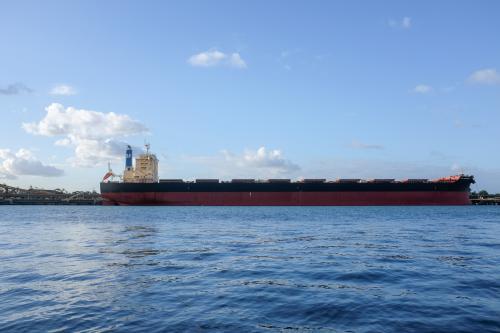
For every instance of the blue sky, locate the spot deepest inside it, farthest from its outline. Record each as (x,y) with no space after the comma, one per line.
(226,89)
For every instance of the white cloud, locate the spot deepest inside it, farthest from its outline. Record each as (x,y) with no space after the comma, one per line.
(262,158)
(422,89)
(485,76)
(404,23)
(236,61)
(213,58)
(207,59)
(89,152)
(24,163)
(360,145)
(63,90)
(94,135)
(83,124)
(260,163)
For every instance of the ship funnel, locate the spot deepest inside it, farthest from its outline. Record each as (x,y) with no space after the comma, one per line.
(128,158)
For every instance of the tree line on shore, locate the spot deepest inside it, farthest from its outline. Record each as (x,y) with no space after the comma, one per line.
(483,194)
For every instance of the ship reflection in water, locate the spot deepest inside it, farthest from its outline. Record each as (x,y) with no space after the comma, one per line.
(250,269)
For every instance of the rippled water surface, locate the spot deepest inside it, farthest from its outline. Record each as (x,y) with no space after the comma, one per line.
(248,269)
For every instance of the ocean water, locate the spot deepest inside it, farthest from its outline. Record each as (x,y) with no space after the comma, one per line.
(249,269)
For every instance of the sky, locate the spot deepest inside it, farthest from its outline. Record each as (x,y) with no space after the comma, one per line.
(249,89)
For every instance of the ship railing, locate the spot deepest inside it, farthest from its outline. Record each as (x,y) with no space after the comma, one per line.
(207,181)
(276,180)
(171,181)
(312,180)
(415,180)
(389,180)
(247,180)
(347,181)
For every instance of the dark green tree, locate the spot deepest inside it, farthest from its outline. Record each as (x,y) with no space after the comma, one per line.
(483,193)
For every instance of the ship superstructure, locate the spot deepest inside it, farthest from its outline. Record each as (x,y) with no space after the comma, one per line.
(145,170)
(141,186)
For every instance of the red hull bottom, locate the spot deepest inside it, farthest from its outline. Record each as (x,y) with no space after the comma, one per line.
(287,198)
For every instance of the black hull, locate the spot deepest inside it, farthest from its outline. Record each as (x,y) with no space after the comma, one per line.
(461,185)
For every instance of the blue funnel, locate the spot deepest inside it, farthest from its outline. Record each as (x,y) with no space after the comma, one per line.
(128,158)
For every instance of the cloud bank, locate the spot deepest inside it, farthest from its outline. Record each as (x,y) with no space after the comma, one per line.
(95,136)
(212,58)
(24,163)
(15,89)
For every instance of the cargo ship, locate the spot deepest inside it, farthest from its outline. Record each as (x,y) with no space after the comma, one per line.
(140,185)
